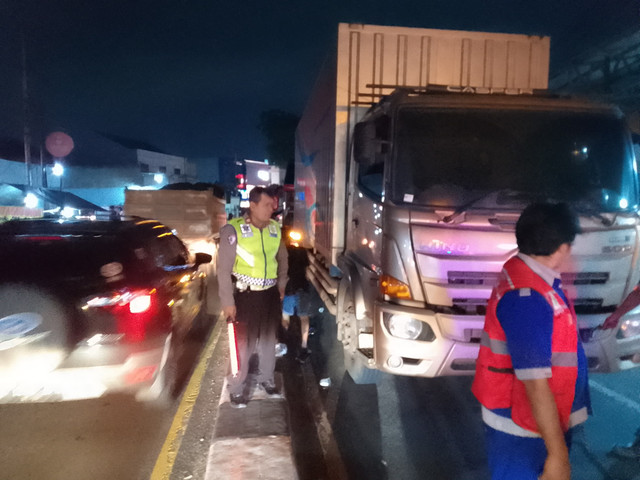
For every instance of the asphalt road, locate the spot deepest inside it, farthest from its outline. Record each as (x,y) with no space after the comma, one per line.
(418,428)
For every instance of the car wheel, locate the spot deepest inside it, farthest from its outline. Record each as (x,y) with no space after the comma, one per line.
(34,334)
(203,321)
(164,390)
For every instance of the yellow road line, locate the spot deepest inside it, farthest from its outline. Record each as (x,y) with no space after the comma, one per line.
(167,457)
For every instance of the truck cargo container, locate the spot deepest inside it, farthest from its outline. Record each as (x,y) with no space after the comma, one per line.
(195,215)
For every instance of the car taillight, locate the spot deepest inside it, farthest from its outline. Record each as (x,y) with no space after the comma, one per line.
(140,304)
(134,312)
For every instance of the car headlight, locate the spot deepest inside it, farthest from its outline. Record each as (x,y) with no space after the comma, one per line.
(629,328)
(404,326)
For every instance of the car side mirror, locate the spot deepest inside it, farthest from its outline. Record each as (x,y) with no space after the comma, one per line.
(202,258)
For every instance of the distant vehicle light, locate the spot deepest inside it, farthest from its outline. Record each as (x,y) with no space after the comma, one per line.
(57,169)
(67,212)
(31,201)
(294,235)
(629,328)
(158,178)
(624,203)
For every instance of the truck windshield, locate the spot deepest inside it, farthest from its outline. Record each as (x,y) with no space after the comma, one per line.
(506,158)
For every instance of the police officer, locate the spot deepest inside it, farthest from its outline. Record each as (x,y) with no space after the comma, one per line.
(252,275)
(531,373)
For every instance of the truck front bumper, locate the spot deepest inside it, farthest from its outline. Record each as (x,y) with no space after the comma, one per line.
(456,342)
(452,351)
(607,351)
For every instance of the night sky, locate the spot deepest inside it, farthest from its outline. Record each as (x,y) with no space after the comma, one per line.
(191,77)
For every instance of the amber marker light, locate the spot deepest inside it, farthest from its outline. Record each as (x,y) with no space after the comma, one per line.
(393,287)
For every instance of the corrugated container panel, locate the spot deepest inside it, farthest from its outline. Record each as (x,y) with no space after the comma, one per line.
(186,229)
(168,197)
(416,57)
(196,213)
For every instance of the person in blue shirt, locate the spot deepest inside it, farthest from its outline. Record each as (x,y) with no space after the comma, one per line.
(531,376)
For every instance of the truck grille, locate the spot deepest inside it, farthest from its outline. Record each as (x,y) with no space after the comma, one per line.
(585,278)
(473,278)
(491,278)
(588,305)
(470,306)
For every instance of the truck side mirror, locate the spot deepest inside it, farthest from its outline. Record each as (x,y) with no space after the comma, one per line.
(364,143)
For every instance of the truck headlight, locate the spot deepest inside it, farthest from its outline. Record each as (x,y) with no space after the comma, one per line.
(629,328)
(404,326)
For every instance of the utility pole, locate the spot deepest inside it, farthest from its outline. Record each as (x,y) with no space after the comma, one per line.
(25,110)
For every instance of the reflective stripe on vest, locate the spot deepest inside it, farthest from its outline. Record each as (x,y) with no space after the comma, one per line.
(495,384)
(499,347)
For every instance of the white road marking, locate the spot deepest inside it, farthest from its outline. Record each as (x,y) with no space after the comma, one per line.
(627,402)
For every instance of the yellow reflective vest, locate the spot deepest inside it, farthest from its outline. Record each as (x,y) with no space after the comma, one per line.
(256,251)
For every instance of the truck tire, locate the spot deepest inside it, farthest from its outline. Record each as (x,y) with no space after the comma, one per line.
(358,371)
(34,333)
(347,326)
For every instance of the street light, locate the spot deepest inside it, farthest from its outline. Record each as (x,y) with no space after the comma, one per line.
(58,171)
(264,175)
(30,201)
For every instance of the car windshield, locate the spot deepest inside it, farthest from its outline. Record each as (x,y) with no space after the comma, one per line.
(505,158)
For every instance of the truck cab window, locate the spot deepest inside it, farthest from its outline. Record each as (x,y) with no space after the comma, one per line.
(371,147)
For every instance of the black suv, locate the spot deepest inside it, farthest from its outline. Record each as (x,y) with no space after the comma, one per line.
(89,307)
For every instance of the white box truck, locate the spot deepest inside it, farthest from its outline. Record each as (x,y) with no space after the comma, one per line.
(195,215)
(415,155)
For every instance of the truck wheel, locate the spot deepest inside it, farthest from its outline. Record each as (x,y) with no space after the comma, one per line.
(34,333)
(358,371)
(354,362)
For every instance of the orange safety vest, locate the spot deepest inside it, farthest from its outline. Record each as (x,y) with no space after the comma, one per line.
(495,384)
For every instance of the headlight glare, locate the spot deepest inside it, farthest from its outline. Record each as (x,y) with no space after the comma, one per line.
(629,328)
(404,326)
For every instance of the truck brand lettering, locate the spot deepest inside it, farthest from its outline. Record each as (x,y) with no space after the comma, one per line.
(438,246)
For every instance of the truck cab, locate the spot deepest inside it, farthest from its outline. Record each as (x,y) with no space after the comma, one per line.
(438,180)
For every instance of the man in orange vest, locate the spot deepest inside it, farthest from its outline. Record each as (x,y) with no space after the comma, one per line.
(531,374)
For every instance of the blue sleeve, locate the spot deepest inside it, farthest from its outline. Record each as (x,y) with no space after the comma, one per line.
(527,320)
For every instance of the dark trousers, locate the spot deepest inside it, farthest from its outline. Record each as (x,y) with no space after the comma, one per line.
(258,315)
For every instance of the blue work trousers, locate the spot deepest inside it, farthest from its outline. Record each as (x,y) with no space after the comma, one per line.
(516,458)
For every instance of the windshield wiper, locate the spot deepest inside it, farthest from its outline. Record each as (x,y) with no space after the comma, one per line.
(591,208)
(466,206)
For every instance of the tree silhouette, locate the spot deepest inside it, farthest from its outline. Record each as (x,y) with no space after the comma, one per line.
(278,128)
